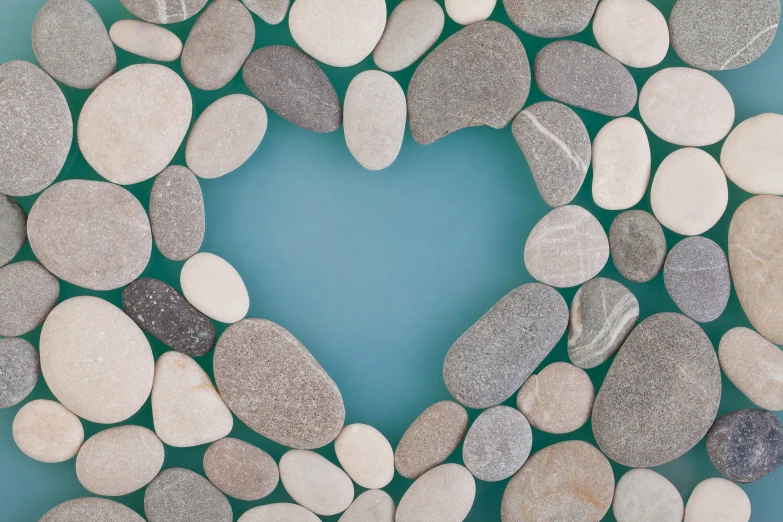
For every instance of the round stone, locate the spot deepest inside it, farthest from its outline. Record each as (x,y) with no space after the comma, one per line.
(643,495)
(240,470)
(754,365)
(13,227)
(177,215)
(634,32)
(752,155)
(214,287)
(552,18)
(371,506)
(165,12)
(717,499)
(180,495)
(146,40)
(443,494)
(466,12)
(746,445)
(28,292)
(315,483)
(412,29)
(558,399)
(279,513)
(366,455)
(19,368)
(47,432)
(91,509)
(270,11)
(621,164)
(497,444)
(638,245)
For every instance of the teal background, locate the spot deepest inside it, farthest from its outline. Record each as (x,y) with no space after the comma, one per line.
(377,273)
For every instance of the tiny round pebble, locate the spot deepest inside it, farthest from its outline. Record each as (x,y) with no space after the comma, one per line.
(315,483)
(632,31)
(754,365)
(279,513)
(91,509)
(366,455)
(497,444)
(559,399)
(717,499)
(621,164)
(371,506)
(13,228)
(466,12)
(240,470)
(28,292)
(19,369)
(638,245)
(180,495)
(47,432)
(443,494)
(146,40)
(642,495)
(215,288)
(177,217)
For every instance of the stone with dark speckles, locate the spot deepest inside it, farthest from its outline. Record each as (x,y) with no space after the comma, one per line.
(746,445)
(240,470)
(91,509)
(497,444)
(637,245)
(19,369)
(13,228)
(180,495)
(550,18)
(28,292)
(177,213)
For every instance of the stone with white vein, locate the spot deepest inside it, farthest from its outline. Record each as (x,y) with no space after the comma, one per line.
(164,11)
(752,155)
(214,288)
(315,483)
(146,40)
(413,27)
(466,12)
(621,164)
(632,31)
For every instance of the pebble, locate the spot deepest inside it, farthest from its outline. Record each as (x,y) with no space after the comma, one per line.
(443,494)
(180,495)
(34,116)
(752,155)
(91,509)
(466,12)
(552,18)
(432,437)
(638,245)
(497,444)
(19,368)
(177,213)
(603,313)
(522,329)
(279,513)
(146,40)
(374,120)
(315,483)
(580,75)
(47,432)
(164,11)
(28,292)
(559,399)
(214,288)
(727,38)
(570,480)
(689,192)
(642,495)
(634,32)
(270,11)
(746,445)
(186,408)
(488,63)
(13,228)
(754,365)
(119,461)
(557,149)
(276,387)
(621,164)
(72,45)
(133,123)
(661,393)
(371,506)
(95,360)
(91,234)
(293,86)
(240,470)
(365,455)
(412,29)
(686,107)
(717,499)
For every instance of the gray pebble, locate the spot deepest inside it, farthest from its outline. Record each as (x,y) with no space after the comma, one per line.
(28,292)
(163,11)
(746,445)
(177,213)
(270,11)
(19,369)
(180,495)
(91,509)
(241,470)
(551,18)
(497,444)
(413,27)
(13,229)
(637,245)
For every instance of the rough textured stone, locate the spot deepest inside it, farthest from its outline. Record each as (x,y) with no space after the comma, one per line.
(180,495)
(634,32)
(638,245)
(661,394)
(621,164)
(466,12)
(19,368)
(28,292)
(522,328)
(754,365)
(643,495)
(550,18)
(177,213)
(371,506)
(13,228)
(91,509)
(497,444)
(717,499)
(746,445)
(214,288)
(413,27)
(47,432)
(478,76)
(315,483)
(146,40)
(240,470)
(558,399)
(276,387)
(279,513)
(164,11)
(270,11)
(752,155)
(443,494)
(366,455)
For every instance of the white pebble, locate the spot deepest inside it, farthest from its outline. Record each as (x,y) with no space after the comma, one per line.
(366,455)
(47,432)
(634,32)
(466,12)
(315,483)
(215,288)
(146,40)
(717,500)
(752,155)
(621,164)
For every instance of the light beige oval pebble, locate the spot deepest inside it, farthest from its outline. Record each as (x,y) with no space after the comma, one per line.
(621,164)
(559,399)
(146,40)
(717,500)
(315,483)
(371,506)
(752,155)
(47,432)
(214,287)
(754,365)
(279,513)
(443,494)
(366,455)
(633,32)
(642,495)
(413,27)
(466,12)
(241,470)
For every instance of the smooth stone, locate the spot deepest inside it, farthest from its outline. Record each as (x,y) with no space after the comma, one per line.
(497,444)
(638,245)
(570,480)
(119,461)
(661,393)
(164,11)
(177,215)
(754,365)
(746,445)
(365,455)
(279,513)
(95,360)
(443,494)
(270,11)
(72,45)
(19,368)
(90,233)
(689,192)
(315,483)
(559,399)
(146,40)
(522,329)
(214,288)
(240,470)
(466,12)
(293,86)
(557,148)
(371,506)
(225,135)
(603,313)
(28,292)
(276,387)
(577,74)
(686,107)
(133,123)
(550,18)
(47,432)
(642,495)
(180,495)
(33,116)
(187,410)
(91,509)
(633,32)
(412,29)
(727,38)
(13,229)
(488,63)
(752,155)
(717,499)
(621,164)
(430,439)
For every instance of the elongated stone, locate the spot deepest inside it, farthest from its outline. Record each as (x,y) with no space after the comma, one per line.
(559,399)
(177,215)
(632,31)
(315,483)
(552,18)
(214,288)
(746,445)
(164,11)
(19,369)
(28,292)
(412,29)
(366,455)
(716,499)
(146,40)
(374,505)
(497,444)
(270,11)
(91,509)
(621,164)
(754,365)
(443,494)
(13,229)
(180,495)
(240,470)
(278,513)
(642,495)
(638,245)
(47,432)
(752,155)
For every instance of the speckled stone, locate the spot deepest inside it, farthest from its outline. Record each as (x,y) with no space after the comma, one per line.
(550,18)
(487,73)
(279,513)
(717,499)
(180,495)
(214,288)
(566,481)
(19,368)
(365,455)
(177,215)
(13,229)
(752,155)
(557,148)
(276,387)
(270,11)
(371,506)
(413,27)
(660,395)
(497,444)
(621,164)
(47,432)
(292,85)
(315,483)
(559,399)
(146,40)
(91,509)
(642,495)
(443,494)
(164,11)
(580,75)
(746,445)
(466,12)
(72,45)
(240,470)
(634,32)
(28,292)
(638,245)
(522,328)
(754,365)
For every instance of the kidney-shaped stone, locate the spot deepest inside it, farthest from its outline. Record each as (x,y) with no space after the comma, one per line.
(443,494)
(91,509)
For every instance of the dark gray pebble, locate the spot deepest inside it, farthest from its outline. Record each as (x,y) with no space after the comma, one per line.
(19,369)
(28,292)
(637,245)
(746,445)
(180,495)
(13,228)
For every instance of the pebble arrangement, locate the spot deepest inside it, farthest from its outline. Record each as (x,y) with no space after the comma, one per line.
(662,391)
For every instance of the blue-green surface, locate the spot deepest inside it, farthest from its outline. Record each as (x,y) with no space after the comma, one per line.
(377,273)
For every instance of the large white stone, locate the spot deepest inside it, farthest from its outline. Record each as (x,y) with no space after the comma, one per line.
(315,483)
(366,455)
(47,432)
(752,155)
(146,40)
(634,32)
(214,287)
(466,12)
(621,164)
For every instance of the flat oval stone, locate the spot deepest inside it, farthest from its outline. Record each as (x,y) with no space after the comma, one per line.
(752,155)
(292,85)
(72,45)
(240,470)
(315,483)
(119,461)
(279,513)
(95,360)
(717,499)
(557,148)
(47,432)
(276,387)
(365,455)
(270,11)
(180,495)
(371,506)
(214,288)
(466,12)
(638,245)
(661,393)
(19,368)
(13,228)
(488,63)
(432,437)
(634,32)
(91,509)
(746,445)
(165,11)
(28,292)
(91,234)
(580,75)
(443,494)
(146,40)
(497,444)
(33,116)
(697,278)
(754,365)
(413,27)
(686,107)
(559,399)
(522,328)
(570,480)
(177,213)
(621,164)
(642,495)
(550,19)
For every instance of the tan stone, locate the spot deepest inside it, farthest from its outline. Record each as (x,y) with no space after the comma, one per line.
(146,40)
(315,483)
(717,500)
(754,365)
(371,506)
(240,470)
(47,432)
(279,513)
(443,494)
(559,399)
(366,455)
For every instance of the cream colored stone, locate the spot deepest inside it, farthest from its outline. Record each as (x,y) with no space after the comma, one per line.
(374,505)
(559,399)
(717,500)
(621,164)
(466,12)
(443,494)
(315,483)
(752,155)
(146,40)
(279,513)
(366,455)
(633,32)
(47,432)
(215,288)
(642,495)
(754,365)
(413,27)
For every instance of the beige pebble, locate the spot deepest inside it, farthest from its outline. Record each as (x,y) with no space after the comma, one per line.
(443,494)
(371,506)
(215,288)
(279,513)
(146,40)
(717,500)
(366,455)
(559,399)
(752,155)
(642,495)
(315,483)
(634,32)
(621,164)
(240,470)
(466,12)
(413,28)
(47,432)
(754,365)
